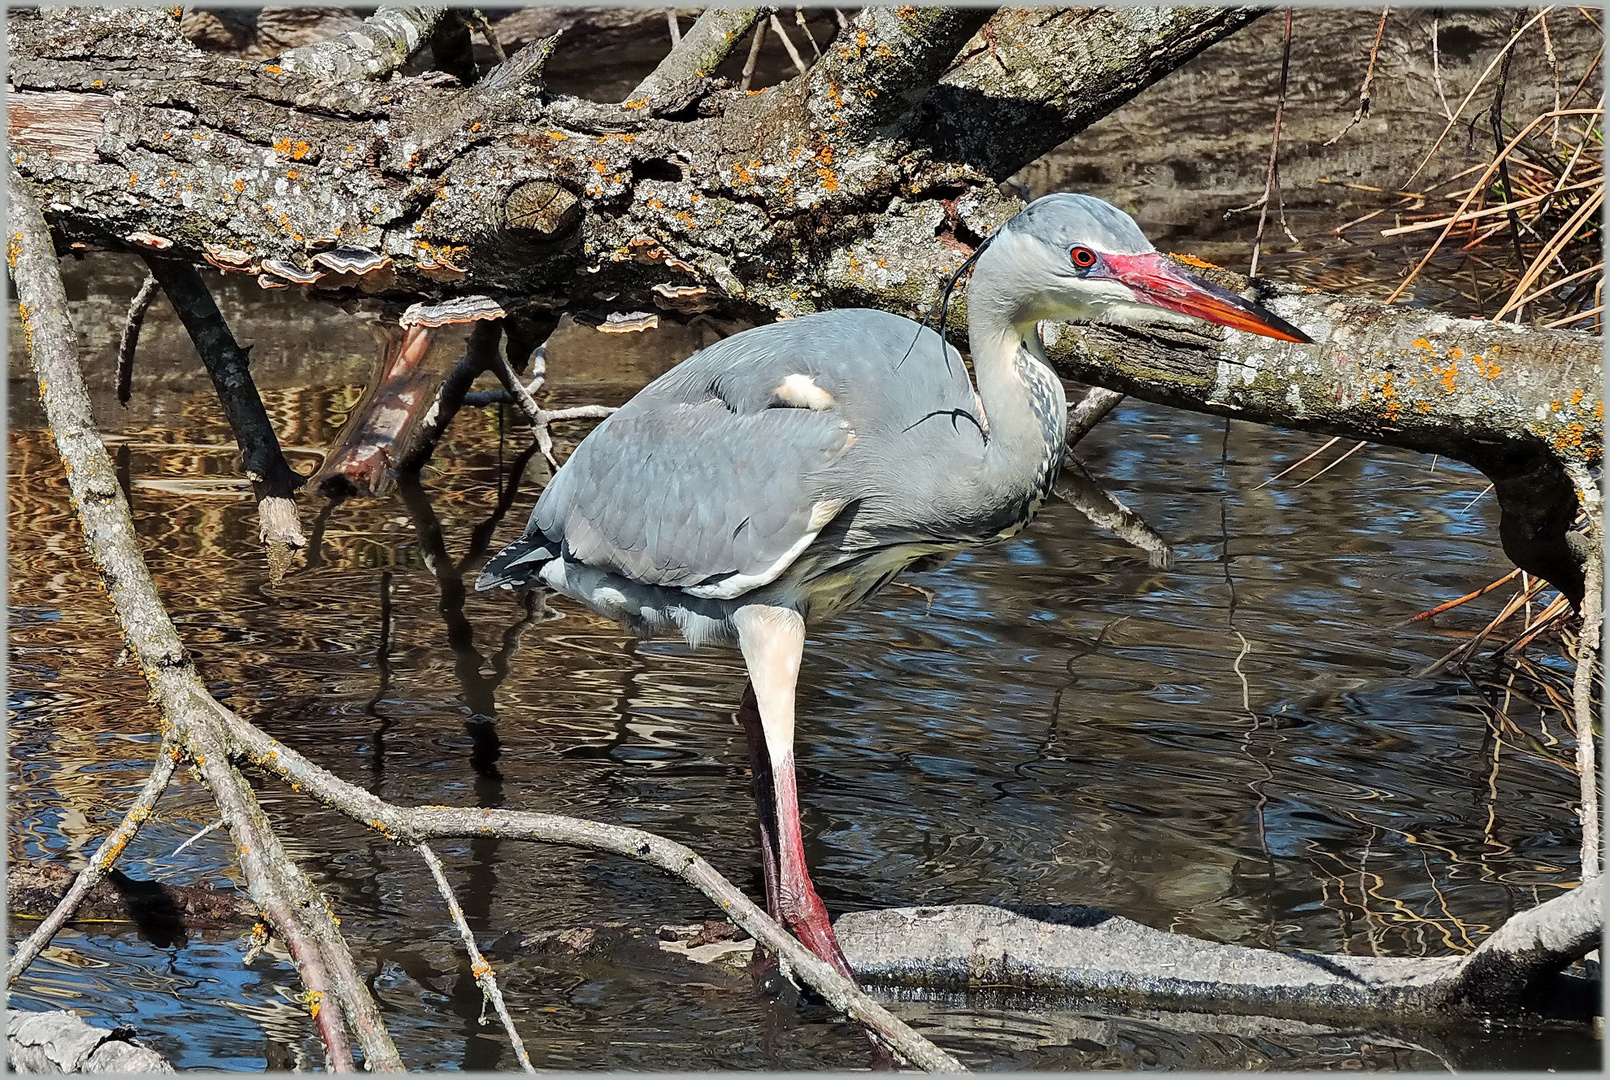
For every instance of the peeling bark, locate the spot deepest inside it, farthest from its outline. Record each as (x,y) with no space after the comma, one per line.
(59,1042)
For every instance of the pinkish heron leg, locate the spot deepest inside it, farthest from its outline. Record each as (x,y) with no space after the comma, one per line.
(773,642)
(765,809)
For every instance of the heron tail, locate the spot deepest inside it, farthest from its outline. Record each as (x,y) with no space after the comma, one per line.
(517,566)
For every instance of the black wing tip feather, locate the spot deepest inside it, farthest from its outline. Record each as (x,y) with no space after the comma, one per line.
(516,566)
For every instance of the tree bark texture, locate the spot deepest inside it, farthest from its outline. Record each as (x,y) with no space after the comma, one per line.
(59,1042)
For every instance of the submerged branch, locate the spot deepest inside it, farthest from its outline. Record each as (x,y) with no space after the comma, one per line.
(273,480)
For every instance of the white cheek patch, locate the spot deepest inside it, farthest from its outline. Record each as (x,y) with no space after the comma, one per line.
(801,392)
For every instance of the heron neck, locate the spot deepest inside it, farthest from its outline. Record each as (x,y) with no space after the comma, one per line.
(1023,400)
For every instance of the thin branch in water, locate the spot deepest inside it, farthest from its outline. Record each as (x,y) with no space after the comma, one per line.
(1356,447)
(541,418)
(478,965)
(274,882)
(131,338)
(273,480)
(1271,184)
(754,55)
(676,29)
(1363,109)
(106,854)
(205,830)
(1301,462)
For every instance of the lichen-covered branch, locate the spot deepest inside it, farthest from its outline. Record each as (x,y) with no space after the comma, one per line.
(99,864)
(374,50)
(1039,76)
(687,68)
(1522,405)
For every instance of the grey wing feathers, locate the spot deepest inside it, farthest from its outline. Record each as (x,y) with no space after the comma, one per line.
(717,475)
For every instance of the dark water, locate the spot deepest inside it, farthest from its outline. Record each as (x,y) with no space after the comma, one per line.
(1235,748)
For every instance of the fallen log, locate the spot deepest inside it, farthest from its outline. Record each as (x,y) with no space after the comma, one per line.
(1094,953)
(162,910)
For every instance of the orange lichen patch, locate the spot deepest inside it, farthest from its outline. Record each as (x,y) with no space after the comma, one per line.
(1554,406)
(1455,354)
(273,69)
(830,182)
(653,204)
(1390,395)
(640,103)
(295,149)
(860,41)
(824,156)
(315,1002)
(292,174)
(1488,369)
(906,12)
(742,174)
(599,166)
(1192,260)
(1569,438)
(1576,398)
(754,93)
(134,178)
(480,969)
(1448,374)
(1422,343)
(240,186)
(1598,412)
(475,126)
(1422,407)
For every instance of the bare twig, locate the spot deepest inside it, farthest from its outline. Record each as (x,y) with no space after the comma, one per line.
(380,46)
(1091,410)
(804,27)
(480,22)
(788,43)
(478,965)
(1271,184)
(273,480)
(754,55)
(1085,493)
(1363,109)
(539,417)
(131,338)
(675,27)
(101,862)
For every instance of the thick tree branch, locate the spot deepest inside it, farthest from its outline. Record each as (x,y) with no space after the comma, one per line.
(1039,76)
(884,63)
(1521,405)
(380,46)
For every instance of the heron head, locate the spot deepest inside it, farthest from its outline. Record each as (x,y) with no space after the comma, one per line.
(1075,257)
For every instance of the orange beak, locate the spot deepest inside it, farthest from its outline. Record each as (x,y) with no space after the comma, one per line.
(1156,281)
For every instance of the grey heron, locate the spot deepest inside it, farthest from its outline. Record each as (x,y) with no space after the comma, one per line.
(788,472)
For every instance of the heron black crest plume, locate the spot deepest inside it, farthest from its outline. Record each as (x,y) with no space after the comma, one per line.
(944,302)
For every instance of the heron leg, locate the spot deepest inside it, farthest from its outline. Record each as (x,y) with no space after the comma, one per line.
(773,642)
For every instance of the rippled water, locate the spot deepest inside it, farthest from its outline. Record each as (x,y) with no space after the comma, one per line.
(1060,723)
(1236,748)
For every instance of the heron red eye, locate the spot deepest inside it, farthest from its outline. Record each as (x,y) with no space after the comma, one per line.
(1082,257)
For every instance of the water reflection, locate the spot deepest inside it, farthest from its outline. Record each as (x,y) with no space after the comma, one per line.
(1235,748)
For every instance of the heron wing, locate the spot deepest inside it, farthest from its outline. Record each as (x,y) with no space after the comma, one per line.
(719,474)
